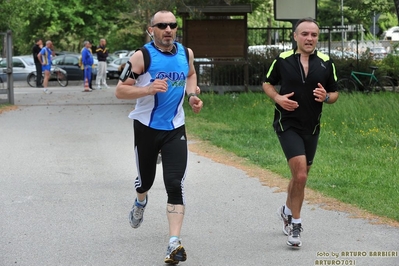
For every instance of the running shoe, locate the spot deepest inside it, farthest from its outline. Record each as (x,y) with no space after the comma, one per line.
(136,214)
(294,236)
(285,218)
(175,253)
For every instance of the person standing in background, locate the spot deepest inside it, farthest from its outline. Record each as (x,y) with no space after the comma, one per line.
(87,62)
(102,54)
(35,51)
(44,57)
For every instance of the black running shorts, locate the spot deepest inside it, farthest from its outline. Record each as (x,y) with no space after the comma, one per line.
(296,144)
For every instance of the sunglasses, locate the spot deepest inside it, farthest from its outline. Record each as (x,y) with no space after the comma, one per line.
(163,26)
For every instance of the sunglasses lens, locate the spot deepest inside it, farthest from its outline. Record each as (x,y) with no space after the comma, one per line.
(163,26)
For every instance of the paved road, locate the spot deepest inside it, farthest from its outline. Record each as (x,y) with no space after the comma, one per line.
(66,187)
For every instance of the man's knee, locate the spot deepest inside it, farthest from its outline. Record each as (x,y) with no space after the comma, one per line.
(300,178)
(175,192)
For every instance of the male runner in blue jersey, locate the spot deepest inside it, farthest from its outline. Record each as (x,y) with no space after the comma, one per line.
(159,75)
(308,80)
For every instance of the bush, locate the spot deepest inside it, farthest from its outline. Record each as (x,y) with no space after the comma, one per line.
(389,66)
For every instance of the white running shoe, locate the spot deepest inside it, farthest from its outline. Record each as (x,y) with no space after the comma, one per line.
(294,236)
(285,218)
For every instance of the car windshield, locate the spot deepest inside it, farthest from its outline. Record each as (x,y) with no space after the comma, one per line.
(29,61)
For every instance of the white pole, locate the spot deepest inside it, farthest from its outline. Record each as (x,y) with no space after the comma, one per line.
(342,25)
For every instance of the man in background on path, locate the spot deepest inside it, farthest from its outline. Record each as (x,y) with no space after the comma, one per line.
(35,51)
(87,62)
(44,57)
(102,54)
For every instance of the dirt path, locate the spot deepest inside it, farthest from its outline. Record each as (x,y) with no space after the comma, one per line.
(272,180)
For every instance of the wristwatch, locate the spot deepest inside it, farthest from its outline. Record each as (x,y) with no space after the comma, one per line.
(189,95)
(327,98)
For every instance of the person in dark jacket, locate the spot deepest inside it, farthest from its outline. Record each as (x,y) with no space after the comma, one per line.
(102,54)
(35,51)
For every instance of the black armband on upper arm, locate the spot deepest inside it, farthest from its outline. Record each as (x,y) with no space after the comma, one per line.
(127,72)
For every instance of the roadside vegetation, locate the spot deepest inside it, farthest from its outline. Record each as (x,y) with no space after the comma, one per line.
(123,22)
(358,154)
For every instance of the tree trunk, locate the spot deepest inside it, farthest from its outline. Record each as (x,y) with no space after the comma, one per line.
(396,3)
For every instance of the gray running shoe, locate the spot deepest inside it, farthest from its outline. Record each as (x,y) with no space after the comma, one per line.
(175,253)
(285,218)
(294,236)
(136,214)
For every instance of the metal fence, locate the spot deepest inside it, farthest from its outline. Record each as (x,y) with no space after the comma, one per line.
(264,44)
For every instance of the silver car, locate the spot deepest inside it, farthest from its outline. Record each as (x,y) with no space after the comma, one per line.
(116,66)
(378,52)
(22,66)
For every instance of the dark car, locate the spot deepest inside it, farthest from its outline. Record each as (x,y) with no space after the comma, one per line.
(70,62)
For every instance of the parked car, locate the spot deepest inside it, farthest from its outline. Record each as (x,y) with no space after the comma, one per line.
(342,55)
(121,53)
(110,58)
(114,68)
(22,66)
(130,53)
(62,52)
(112,71)
(378,52)
(70,62)
(118,62)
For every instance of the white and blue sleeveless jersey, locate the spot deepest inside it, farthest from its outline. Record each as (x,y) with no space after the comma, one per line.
(164,110)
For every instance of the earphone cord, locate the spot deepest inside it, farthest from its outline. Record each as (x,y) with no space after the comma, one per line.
(172,51)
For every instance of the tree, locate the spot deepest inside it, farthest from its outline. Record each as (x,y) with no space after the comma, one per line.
(396,4)
(123,22)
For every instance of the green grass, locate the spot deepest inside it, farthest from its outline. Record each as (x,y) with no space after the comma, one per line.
(357,158)
(3,105)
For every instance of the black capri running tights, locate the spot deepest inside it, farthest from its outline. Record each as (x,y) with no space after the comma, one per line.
(173,146)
